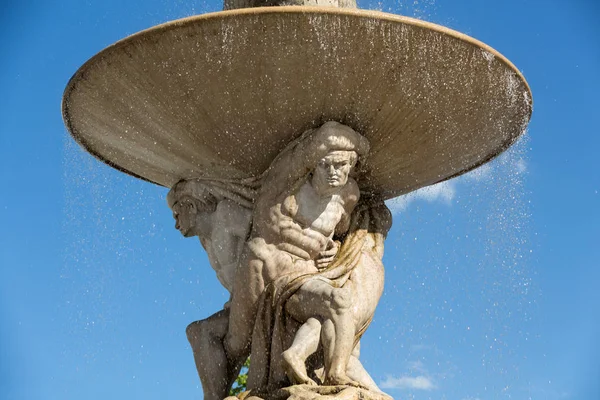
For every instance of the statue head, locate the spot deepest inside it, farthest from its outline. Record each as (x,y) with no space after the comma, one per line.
(333,170)
(345,147)
(192,204)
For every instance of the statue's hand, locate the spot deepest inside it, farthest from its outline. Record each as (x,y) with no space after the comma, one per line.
(327,255)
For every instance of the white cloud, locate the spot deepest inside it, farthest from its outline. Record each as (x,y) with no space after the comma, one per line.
(443,191)
(510,163)
(420,382)
(479,174)
(446,191)
(420,347)
(417,366)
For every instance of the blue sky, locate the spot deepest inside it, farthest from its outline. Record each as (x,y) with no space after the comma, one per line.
(491,279)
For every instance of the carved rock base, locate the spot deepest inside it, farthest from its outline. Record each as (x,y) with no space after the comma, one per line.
(308,392)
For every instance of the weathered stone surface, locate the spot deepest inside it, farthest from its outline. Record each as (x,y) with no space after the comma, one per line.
(219,213)
(300,252)
(233,4)
(309,392)
(220,95)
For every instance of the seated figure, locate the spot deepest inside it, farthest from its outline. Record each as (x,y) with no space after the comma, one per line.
(294,283)
(307,200)
(358,271)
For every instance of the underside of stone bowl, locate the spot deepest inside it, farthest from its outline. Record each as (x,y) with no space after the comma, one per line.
(220,95)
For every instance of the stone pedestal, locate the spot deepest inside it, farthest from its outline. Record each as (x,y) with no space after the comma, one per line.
(308,392)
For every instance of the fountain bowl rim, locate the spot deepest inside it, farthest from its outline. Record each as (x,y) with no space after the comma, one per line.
(257,11)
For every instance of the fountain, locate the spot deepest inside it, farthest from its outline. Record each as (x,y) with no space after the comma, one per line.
(280,129)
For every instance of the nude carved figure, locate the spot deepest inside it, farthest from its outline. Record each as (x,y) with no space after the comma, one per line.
(306,197)
(359,272)
(303,237)
(220,214)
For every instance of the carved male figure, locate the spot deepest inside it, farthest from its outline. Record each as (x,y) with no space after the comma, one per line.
(358,270)
(321,299)
(219,213)
(306,197)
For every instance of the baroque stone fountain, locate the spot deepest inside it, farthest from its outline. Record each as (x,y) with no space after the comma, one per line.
(280,127)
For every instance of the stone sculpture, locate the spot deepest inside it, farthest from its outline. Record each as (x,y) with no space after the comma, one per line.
(309,275)
(219,213)
(199,105)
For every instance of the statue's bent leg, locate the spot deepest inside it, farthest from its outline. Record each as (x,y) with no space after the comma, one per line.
(206,338)
(305,343)
(358,373)
(318,299)
(249,284)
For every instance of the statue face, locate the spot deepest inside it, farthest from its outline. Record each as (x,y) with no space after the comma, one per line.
(184,213)
(333,170)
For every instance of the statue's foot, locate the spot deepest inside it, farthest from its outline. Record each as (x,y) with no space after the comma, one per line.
(342,379)
(295,369)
